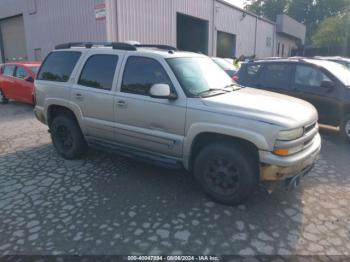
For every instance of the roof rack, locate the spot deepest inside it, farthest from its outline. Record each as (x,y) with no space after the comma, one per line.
(114,45)
(163,47)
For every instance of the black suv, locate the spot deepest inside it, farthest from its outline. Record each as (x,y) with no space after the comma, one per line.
(324,84)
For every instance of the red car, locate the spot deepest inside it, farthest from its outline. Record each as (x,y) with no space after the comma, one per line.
(17,81)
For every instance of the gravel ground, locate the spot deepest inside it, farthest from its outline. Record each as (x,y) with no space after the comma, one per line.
(106,204)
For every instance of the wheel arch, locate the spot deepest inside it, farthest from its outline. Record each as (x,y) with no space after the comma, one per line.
(205,138)
(55,110)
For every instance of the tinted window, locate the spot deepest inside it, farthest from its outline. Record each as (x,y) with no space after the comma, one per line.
(98,72)
(141,73)
(9,70)
(21,73)
(58,66)
(277,75)
(309,76)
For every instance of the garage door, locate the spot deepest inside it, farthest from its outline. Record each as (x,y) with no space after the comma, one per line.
(192,34)
(13,39)
(226,45)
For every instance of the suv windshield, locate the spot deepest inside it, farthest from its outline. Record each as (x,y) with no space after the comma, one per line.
(200,75)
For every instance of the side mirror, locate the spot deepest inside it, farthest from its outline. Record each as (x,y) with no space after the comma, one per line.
(29,79)
(161,91)
(328,85)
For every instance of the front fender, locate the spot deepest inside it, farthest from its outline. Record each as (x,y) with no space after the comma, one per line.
(199,128)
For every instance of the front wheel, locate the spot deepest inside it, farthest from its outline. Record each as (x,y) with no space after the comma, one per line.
(226,172)
(3,99)
(67,137)
(345,128)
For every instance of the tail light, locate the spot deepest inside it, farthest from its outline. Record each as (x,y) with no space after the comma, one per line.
(235,78)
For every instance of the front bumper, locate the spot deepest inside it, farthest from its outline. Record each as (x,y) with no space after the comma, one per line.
(276,168)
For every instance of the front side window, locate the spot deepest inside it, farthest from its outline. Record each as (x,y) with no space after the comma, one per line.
(309,76)
(21,72)
(9,70)
(141,73)
(99,71)
(58,66)
(198,75)
(277,75)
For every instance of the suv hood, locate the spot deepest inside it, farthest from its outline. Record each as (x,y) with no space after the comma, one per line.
(265,106)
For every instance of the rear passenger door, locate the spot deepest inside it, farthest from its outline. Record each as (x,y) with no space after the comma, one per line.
(94,95)
(276,77)
(151,124)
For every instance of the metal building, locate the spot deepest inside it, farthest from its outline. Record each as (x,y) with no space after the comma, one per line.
(29,29)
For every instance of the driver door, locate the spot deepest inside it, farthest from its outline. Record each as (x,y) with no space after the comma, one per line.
(149,124)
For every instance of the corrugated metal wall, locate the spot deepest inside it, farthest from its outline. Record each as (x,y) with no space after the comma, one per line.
(49,22)
(154,21)
(232,21)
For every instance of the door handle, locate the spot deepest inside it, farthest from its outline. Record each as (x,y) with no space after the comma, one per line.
(79,97)
(121,103)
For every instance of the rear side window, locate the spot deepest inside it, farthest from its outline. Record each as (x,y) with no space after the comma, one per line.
(9,70)
(141,73)
(250,74)
(277,75)
(21,72)
(99,71)
(58,66)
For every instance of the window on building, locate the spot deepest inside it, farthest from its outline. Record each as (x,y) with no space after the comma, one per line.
(37,54)
(21,72)
(9,70)
(99,71)
(58,66)
(309,76)
(278,49)
(282,50)
(141,73)
(277,75)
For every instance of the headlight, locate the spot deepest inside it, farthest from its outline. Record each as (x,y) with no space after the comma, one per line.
(290,134)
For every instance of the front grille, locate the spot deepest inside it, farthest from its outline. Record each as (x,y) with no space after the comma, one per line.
(310,127)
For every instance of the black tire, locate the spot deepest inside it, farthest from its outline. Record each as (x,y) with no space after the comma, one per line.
(235,180)
(3,99)
(67,137)
(345,128)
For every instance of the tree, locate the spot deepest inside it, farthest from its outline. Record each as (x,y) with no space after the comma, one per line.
(309,12)
(267,8)
(333,31)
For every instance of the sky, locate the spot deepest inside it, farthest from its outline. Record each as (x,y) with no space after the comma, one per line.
(239,3)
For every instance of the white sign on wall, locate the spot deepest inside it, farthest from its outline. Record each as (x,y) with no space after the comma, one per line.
(100,11)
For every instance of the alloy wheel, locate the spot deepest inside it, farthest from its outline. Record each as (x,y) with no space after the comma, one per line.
(65,137)
(222,176)
(347,128)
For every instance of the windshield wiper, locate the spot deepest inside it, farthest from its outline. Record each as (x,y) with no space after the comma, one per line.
(211,92)
(234,87)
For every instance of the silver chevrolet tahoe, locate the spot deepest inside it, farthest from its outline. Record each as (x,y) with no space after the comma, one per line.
(176,109)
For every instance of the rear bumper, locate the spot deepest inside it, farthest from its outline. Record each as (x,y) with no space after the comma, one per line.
(276,168)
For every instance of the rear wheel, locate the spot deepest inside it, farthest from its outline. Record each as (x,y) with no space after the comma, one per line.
(3,99)
(226,173)
(345,128)
(67,137)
